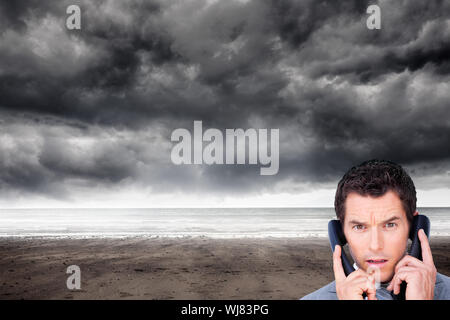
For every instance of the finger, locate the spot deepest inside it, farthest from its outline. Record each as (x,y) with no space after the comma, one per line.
(393,286)
(371,291)
(364,286)
(390,287)
(396,286)
(375,273)
(371,296)
(399,278)
(357,274)
(408,261)
(339,274)
(426,250)
(407,269)
(405,273)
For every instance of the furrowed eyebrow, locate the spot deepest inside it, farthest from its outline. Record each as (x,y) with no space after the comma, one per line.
(356,222)
(391,219)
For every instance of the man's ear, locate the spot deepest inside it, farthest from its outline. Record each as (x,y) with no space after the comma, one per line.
(416,213)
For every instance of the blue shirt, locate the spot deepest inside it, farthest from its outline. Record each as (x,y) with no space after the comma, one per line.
(328,292)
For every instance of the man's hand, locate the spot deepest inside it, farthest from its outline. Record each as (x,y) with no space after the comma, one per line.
(420,276)
(353,286)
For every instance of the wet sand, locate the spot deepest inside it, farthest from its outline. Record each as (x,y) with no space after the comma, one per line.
(164,268)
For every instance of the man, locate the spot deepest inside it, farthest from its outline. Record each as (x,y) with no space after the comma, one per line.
(375,203)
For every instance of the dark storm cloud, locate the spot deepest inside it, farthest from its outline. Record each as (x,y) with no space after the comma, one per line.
(97,106)
(413,34)
(14,14)
(296,21)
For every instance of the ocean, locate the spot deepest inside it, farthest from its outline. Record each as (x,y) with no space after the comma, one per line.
(214,223)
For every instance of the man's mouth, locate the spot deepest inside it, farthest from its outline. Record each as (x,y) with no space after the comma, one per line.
(377,262)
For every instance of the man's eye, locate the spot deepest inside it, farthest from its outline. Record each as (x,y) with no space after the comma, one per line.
(358,227)
(390,225)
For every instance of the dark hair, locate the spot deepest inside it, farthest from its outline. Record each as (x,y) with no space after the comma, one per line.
(375,178)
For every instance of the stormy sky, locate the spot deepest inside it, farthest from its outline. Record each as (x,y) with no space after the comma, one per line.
(86,115)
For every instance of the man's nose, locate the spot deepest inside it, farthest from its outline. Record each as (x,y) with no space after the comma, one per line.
(376,240)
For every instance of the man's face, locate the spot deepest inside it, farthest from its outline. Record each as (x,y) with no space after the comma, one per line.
(377,231)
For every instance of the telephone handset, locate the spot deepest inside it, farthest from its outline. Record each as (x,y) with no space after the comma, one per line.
(336,236)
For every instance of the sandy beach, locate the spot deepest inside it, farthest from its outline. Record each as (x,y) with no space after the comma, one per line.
(169,268)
